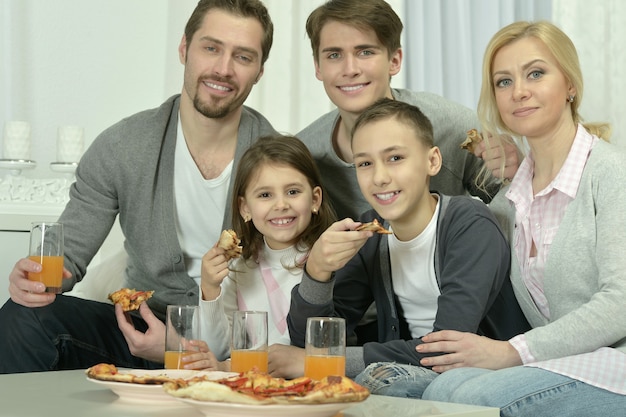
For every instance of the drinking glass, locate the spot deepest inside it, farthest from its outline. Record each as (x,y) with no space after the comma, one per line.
(325,347)
(46,248)
(182,324)
(249,341)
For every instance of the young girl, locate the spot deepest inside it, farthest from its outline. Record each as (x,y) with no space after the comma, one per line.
(278,213)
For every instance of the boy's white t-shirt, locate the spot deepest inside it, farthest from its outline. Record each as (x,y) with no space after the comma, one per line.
(413,277)
(199,206)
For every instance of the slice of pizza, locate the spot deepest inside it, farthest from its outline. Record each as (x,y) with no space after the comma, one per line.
(335,389)
(374,226)
(230,243)
(108,372)
(129,299)
(473,138)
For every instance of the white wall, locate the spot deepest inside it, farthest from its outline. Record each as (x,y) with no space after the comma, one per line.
(91,63)
(86,63)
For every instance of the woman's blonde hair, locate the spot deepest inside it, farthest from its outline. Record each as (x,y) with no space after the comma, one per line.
(563,50)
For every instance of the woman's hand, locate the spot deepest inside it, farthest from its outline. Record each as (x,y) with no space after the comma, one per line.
(502,157)
(466,350)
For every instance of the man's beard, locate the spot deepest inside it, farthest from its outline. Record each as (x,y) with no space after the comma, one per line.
(216,112)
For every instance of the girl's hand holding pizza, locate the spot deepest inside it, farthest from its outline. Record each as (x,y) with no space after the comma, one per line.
(214,270)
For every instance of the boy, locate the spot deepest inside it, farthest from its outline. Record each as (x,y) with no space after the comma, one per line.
(445,266)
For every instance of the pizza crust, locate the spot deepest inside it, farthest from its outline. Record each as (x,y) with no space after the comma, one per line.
(473,138)
(230,243)
(374,226)
(108,372)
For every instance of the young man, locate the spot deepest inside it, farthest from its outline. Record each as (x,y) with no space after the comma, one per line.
(167,173)
(356,51)
(445,266)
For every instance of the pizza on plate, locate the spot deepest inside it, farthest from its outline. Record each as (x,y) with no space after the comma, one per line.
(108,372)
(259,388)
(374,226)
(129,299)
(473,138)
(230,243)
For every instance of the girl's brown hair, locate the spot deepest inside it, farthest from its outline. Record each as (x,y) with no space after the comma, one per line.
(277,150)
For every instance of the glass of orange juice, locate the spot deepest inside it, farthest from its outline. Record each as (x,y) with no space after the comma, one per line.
(248,348)
(46,248)
(325,347)
(182,324)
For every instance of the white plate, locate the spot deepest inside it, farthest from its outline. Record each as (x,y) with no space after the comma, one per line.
(153,393)
(217,409)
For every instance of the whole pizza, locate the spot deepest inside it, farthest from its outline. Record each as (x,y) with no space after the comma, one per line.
(259,388)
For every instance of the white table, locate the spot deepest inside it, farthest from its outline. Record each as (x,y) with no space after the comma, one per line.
(68,393)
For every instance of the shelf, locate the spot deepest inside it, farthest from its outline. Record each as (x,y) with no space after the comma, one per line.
(15,166)
(64,167)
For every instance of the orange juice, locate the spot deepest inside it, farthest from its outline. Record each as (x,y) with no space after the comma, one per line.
(174,360)
(51,272)
(317,366)
(245,360)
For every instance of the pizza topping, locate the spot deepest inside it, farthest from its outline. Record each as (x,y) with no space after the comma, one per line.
(260,388)
(129,299)
(473,139)
(230,243)
(374,226)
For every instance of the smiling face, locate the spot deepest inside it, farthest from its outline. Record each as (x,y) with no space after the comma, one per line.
(354,66)
(393,169)
(280,201)
(530,89)
(222,63)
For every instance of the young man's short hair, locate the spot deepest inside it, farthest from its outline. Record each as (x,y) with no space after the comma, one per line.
(376,15)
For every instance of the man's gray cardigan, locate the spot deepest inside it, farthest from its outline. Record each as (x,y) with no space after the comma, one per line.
(129,170)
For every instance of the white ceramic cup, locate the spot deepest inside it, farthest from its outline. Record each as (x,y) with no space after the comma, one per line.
(70,143)
(16,140)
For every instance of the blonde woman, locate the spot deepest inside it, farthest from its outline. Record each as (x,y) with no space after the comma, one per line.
(564,216)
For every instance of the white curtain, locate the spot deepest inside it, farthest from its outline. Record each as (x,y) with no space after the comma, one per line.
(446,40)
(93,63)
(599,33)
(288,94)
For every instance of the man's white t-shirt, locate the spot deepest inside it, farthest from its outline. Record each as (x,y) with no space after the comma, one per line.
(413,277)
(199,206)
